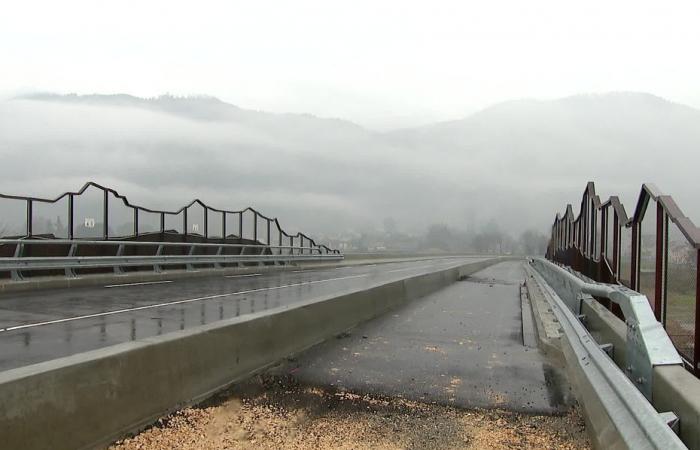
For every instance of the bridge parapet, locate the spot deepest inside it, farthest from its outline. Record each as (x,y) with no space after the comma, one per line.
(656,252)
(96,228)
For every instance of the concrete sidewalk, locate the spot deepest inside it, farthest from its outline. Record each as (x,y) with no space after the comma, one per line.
(461,346)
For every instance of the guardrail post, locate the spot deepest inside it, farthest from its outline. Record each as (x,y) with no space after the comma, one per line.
(189,266)
(120,251)
(184,224)
(156,267)
(16,275)
(240,225)
(268,231)
(162,225)
(219,249)
(70,273)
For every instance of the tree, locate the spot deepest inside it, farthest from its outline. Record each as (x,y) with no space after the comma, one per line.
(390,225)
(533,243)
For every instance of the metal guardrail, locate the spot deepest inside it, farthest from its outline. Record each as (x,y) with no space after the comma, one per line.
(635,424)
(192,254)
(648,345)
(656,251)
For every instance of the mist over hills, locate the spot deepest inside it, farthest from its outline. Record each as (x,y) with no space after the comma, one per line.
(515,163)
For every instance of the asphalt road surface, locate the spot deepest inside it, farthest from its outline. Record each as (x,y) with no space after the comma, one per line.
(48,324)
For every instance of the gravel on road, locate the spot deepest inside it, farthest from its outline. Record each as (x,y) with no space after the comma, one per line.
(277,413)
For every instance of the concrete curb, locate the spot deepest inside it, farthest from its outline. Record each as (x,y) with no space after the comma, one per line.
(59,282)
(91,399)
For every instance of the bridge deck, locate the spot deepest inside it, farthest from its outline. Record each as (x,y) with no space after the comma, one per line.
(462,346)
(409,379)
(43,325)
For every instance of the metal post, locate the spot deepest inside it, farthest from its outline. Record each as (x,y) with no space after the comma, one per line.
(184,223)
(71,232)
(268,231)
(223,224)
(604,232)
(616,245)
(206,223)
(659,269)
(136,222)
(696,345)
(634,260)
(240,224)
(162,225)
(594,231)
(255,226)
(105,215)
(30,207)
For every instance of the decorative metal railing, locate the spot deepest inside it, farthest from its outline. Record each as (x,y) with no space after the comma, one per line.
(76,229)
(656,251)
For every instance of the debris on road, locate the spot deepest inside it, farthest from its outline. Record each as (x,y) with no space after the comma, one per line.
(273,413)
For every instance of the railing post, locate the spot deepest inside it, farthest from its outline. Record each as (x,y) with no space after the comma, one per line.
(696,346)
(71,233)
(634,257)
(223,224)
(162,225)
(240,224)
(136,222)
(603,232)
(105,215)
(30,207)
(255,226)
(268,231)
(616,246)
(206,222)
(184,223)
(660,278)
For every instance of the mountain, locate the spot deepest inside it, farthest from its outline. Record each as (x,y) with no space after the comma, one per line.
(516,163)
(619,139)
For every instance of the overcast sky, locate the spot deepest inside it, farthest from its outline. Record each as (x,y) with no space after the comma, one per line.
(380,63)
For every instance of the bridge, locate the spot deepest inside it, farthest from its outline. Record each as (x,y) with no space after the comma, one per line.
(114,317)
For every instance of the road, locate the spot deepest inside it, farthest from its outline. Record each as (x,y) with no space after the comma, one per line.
(43,325)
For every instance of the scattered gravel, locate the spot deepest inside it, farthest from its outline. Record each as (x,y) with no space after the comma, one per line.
(272,413)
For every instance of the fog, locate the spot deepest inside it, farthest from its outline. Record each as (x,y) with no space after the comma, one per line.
(513,165)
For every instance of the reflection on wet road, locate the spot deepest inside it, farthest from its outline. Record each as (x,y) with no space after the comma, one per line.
(44,325)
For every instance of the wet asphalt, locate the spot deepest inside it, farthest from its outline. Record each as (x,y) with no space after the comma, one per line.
(44,325)
(461,346)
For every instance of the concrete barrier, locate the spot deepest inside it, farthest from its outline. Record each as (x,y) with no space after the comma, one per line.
(8,286)
(91,399)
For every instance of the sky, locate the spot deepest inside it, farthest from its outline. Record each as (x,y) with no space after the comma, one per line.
(383,64)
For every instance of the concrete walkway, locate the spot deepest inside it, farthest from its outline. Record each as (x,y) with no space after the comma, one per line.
(461,346)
